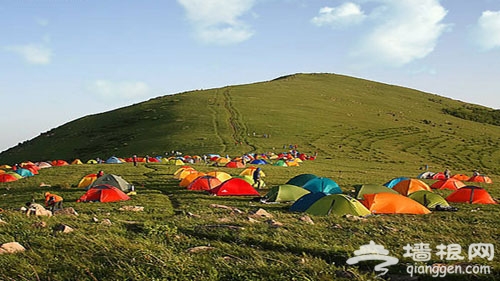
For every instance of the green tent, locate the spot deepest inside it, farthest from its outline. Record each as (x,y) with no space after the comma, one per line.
(429,199)
(280,163)
(371,189)
(285,193)
(337,204)
(113,180)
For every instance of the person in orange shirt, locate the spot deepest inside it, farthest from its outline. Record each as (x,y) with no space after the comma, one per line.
(53,201)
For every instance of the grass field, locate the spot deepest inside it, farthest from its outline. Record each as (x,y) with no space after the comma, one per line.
(363,131)
(155,244)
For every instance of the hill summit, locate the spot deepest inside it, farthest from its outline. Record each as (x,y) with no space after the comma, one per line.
(337,116)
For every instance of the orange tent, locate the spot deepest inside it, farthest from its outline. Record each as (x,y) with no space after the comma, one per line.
(406,187)
(450,183)
(460,177)
(390,203)
(190,178)
(184,173)
(471,195)
(480,178)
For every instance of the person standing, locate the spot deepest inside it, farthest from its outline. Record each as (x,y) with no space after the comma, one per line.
(256,178)
(134,159)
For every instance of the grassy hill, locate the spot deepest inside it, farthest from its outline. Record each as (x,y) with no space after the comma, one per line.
(364,132)
(340,117)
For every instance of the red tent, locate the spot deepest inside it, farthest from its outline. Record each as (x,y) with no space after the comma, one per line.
(103,193)
(7,178)
(480,178)
(471,195)
(234,164)
(234,186)
(59,163)
(450,183)
(204,183)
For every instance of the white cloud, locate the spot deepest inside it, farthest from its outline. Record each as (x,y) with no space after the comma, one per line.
(32,53)
(395,32)
(344,15)
(110,90)
(217,21)
(487,31)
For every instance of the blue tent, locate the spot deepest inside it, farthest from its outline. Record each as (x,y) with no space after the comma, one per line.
(113,160)
(324,185)
(258,162)
(301,179)
(393,182)
(24,172)
(304,202)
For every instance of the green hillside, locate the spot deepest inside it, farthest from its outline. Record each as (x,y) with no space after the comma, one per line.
(339,117)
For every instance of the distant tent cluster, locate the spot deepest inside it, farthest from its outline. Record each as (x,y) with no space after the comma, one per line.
(322,196)
(17,172)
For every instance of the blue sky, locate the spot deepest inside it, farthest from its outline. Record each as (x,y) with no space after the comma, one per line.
(64,59)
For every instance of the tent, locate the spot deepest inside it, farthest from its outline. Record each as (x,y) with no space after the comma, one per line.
(304,202)
(371,189)
(439,176)
(103,193)
(258,162)
(249,172)
(426,175)
(406,187)
(113,180)
(24,172)
(113,160)
(460,177)
(87,180)
(471,195)
(235,164)
(450,183)
(43,165)
(337,204)
(59,163)
(205,182)
(6,177)
(324,185)
(91,161)
(190,178)
(480,178)
(285,193)
(429,199)
(183,172)
(394,181)
(280,163)
(301,179)
(234,187)
(76,162)
(250,180)
(389,203)
(222,176)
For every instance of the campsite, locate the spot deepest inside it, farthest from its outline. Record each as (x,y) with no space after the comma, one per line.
(186,218)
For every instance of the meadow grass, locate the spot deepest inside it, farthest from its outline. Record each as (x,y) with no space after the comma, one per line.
(154,244)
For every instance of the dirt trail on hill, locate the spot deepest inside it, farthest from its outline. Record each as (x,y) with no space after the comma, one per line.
(239,130)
